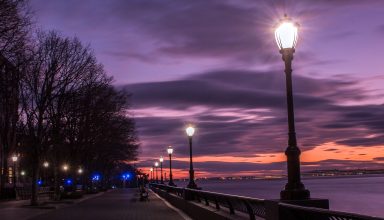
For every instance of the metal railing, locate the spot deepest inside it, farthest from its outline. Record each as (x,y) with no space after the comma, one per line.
(251,206)
(300,213)
(258,208)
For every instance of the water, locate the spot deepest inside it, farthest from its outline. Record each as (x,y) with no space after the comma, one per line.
(360,194)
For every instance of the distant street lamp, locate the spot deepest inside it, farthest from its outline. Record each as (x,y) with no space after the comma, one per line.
(14,160)
(156,165)
(151,172)
(286,38)
(170,152)
(22,173)
(80,171)
(192,185)
(161,169)
(46,165)
(65,167)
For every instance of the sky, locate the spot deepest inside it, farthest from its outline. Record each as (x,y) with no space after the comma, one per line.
(215,64)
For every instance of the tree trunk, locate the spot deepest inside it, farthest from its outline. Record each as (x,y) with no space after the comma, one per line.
(56,182)
(35,175)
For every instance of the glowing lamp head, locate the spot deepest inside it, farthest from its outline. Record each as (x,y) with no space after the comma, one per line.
(156,164)
(14,158)
(161,159)
(80,171)
(22,173)
(286,34)
(151,169)
(65,167)
(170,150)
(46,164)
(190,131)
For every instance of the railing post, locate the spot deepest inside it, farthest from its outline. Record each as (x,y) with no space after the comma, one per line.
(250,210)
(217,204)
(188,195)
(231,210)
(206,201)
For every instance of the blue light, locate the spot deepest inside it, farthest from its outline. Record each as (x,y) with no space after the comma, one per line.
(125,176)
(96,177)
(39,182)
(68,182)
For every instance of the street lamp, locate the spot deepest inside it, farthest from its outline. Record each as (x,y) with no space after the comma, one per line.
(156,165)
(80,171)
(151,172)
(192,185)
(14,160)
(65,167)
(170,152)
(286,35)
(161,169)
(46,165)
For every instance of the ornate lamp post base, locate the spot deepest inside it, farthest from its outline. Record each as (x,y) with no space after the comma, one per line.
(294,194)
(192,185)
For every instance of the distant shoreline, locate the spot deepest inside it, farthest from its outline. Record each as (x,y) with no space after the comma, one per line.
(282,178)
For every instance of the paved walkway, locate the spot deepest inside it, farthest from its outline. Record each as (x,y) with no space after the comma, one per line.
(117,204)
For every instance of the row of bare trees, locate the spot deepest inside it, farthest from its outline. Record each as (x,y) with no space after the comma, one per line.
(59,104)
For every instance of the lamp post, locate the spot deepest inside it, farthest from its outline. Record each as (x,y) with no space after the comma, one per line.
(14,160)
(80,173)
(151,172)
(156,165)
(46,165)
(170,152)
(22,173)
(286,38)
(192,185)
(161,169)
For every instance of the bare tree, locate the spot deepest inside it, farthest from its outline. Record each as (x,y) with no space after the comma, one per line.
(14,27)
(59,67)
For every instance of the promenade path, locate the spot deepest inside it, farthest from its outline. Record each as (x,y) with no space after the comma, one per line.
(118,204)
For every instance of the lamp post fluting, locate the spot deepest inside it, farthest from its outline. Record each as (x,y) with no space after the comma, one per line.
(156,165)
(161,169)
(170,152)
(192,185)
(286,38)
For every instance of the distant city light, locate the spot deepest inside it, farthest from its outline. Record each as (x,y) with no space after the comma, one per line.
(46,164)
(39,182)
